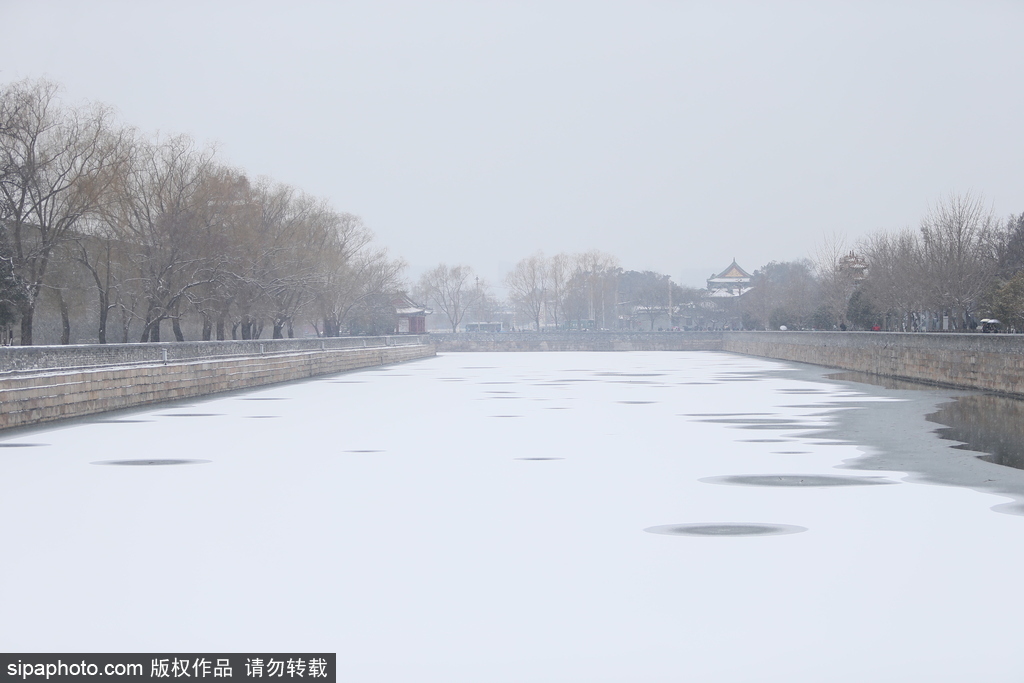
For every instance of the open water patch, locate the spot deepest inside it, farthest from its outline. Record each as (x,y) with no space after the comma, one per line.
(153,462)
(880,381)
(795,480)
(986,423)
(22,445)
(721,529)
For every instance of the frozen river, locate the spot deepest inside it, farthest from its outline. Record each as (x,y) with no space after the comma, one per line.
(525,517)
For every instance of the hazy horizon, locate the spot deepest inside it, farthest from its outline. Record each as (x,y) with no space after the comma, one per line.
(675,135)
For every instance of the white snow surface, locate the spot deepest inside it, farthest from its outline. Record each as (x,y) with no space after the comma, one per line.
(386,515)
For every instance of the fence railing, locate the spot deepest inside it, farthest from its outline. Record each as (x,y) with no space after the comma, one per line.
(41,358)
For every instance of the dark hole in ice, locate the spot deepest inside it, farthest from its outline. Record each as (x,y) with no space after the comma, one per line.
(22,445)
(153,462)
(725,415)
(795,480)
(726,529)
(985,423)
(751,420)
(190,414)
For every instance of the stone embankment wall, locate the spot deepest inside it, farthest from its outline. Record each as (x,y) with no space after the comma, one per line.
(990,362)
(578,341)
(39,384)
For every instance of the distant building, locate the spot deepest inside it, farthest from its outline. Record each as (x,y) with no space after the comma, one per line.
(412,317)
(731,282)
(854,266)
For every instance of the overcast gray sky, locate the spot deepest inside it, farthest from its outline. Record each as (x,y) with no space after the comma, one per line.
(675,135)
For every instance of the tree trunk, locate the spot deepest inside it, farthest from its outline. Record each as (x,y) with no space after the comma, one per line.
(26,325)
(220,327)
(291,332)
(65,319)
(207,327)
(101,333)
(176,328)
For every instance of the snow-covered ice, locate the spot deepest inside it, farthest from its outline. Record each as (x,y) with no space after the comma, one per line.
(481,517)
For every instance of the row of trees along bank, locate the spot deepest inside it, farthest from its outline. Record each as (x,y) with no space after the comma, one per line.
(139,231)
(961,265)
(587,290)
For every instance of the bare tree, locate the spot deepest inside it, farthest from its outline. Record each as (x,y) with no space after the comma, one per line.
(598,273)
(960,254)
(896,278)
(170,204)
(527,286)
(451,291)
(56,163)
(559,273)
(836,279)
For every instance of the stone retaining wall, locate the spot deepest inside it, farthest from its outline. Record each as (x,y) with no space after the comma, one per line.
(990,362)
(578,341)
(42,396)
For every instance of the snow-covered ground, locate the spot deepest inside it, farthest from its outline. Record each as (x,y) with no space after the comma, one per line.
(484,517)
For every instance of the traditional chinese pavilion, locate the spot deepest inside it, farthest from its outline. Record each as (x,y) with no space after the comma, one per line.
(412,317)
(731,282)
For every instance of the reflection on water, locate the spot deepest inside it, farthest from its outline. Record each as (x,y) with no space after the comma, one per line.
(881,381)
(986,423)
